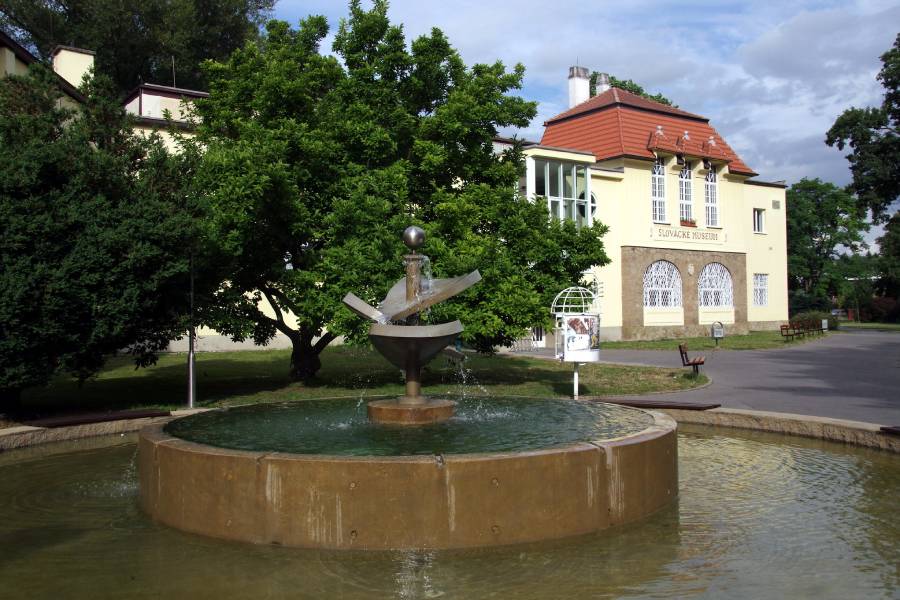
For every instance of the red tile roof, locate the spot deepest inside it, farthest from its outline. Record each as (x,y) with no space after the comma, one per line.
(618,123)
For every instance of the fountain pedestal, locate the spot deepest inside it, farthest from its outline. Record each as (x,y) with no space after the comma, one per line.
(397,412)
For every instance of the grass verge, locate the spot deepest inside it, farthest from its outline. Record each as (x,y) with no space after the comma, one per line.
(231,378)
(755,340)
(872,326)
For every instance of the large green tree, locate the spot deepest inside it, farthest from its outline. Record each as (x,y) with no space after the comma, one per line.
(873,135)
(313,165)
(822,223)
(94,234)
(136,40)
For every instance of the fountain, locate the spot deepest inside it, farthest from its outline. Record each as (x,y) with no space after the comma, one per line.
(416,472)
(398,336)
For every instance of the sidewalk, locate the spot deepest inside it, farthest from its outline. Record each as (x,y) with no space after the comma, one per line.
(853,375)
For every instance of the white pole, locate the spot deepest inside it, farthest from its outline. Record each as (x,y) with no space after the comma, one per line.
(575,382)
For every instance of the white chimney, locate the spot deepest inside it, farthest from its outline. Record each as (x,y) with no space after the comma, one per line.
(602,83)
(72,63)
(579,85)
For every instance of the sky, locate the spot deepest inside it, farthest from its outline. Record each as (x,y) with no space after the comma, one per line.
(771,76)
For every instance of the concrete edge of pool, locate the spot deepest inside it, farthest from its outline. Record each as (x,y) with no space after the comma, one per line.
(379,503)
(860,433)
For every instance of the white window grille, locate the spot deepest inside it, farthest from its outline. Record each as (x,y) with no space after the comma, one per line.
(685,203)
(712,206)
(658,192)
(714,287)
(760,289)
(565,186)
(759,220)
(662,285)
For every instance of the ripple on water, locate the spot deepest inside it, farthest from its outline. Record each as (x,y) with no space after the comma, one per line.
(758,516)
(480,425)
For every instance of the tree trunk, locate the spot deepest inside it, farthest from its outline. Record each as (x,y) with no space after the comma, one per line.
(305,361)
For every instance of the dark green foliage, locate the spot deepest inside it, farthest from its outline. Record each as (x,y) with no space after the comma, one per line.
(135,40)
(873,135)
(313,168)
(93,236)
(630,86)
(816,317)
(801,301)
(822,222)
(889,258)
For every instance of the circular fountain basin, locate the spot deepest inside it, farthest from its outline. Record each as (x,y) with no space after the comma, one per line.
(318,474)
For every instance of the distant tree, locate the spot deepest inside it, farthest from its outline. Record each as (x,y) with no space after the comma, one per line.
(94,236)
(136,40)
(629,86)
(873,135)
(889,258)
(822,223)
(314,164)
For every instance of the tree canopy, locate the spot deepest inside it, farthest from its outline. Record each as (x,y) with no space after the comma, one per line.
(94,233)
(822,222)
(873,135)
(314,164)
(629,86)
(137,40)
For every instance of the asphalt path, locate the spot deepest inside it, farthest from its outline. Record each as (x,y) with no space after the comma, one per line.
(846,375)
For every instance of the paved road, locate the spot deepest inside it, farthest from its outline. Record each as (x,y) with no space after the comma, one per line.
(852,375)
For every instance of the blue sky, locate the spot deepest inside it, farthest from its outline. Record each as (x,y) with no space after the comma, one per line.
(771,76)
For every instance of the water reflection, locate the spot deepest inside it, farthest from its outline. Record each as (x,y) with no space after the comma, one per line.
(758,516)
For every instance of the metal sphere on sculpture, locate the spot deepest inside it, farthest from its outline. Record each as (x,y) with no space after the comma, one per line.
(413,237)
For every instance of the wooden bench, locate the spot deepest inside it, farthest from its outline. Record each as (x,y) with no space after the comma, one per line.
(690,362)
(787,333)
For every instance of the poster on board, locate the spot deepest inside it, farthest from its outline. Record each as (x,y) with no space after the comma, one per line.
(581,338)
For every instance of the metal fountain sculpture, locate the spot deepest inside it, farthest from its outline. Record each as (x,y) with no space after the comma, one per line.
(397,334)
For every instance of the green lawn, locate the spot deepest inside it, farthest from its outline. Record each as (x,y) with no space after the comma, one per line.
(229,378)
(878,326)
(755,340)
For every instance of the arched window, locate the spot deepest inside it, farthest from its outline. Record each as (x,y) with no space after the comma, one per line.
(658,192)
(662,285)
(714,287)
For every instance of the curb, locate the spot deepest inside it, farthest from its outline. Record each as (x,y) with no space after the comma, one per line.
(858,433)
(26,435)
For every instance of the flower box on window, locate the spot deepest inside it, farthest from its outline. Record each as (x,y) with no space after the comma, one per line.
(688,223)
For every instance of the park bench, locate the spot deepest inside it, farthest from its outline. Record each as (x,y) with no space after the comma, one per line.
(690,362)
(787,333)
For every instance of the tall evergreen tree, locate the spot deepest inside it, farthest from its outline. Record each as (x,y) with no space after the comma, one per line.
(94,236)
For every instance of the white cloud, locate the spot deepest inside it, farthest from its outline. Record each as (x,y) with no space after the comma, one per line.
(771,76)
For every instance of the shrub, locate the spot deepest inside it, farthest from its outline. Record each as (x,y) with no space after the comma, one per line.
(816,316)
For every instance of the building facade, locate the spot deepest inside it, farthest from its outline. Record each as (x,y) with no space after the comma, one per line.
(693,238)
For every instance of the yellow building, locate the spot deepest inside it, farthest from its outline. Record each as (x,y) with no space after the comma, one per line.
(693,237)
(68,64)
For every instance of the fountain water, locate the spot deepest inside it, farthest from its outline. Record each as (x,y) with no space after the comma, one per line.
(500,471)
(408,345)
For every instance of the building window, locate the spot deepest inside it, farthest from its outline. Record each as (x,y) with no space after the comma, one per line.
(712,200)
(759,220)
(714,287)
(564,186)
(662,285)
(658,192)
(685,205)
(760,289)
